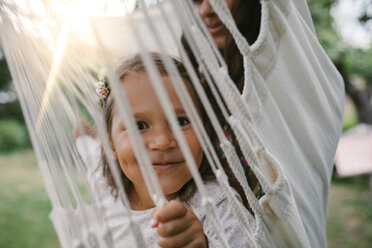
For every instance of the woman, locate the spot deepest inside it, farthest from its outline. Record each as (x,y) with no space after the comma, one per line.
(297,97)
(247,15)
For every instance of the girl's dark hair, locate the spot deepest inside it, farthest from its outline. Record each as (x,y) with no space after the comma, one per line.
(135,65)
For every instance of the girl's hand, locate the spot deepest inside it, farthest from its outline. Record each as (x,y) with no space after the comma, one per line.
(178,226)
(84,129)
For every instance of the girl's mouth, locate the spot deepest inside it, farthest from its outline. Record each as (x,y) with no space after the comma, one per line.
(165,165)
(216,29)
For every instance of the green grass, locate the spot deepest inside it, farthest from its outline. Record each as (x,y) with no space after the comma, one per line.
(349,222)
(24,208)
(24,205)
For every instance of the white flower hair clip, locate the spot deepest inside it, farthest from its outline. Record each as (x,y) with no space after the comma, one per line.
(102,90)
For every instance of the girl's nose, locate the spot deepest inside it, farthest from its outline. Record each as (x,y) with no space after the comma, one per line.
(205,8)
(162,139)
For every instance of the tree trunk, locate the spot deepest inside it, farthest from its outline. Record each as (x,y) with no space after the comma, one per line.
(360,98)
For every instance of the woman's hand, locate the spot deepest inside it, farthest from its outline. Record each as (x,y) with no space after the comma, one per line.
(178,226)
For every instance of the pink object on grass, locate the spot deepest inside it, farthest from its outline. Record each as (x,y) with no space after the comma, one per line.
(354,152)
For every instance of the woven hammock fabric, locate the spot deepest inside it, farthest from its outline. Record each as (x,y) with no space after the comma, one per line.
(301,99)
(287,120)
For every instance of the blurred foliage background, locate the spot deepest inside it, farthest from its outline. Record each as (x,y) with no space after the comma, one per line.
(24,205)
(353,62)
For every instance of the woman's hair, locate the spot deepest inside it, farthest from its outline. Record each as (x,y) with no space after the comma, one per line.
(247,16)
(136,65)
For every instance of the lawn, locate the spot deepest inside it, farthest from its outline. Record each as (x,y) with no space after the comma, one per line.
(24,208)
(24,204)
(349,222)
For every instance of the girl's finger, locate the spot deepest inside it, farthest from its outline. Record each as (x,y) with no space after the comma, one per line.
(173,227)
(173,210)
(180,240)
(197,243)
(154,222)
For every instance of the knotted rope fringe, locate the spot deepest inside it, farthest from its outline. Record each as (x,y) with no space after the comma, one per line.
(211,61)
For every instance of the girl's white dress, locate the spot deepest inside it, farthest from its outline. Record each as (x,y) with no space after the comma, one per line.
(114,210)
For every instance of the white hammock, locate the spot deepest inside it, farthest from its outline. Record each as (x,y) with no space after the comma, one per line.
(287,120)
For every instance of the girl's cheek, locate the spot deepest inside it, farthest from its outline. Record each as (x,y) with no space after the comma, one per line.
(127,150)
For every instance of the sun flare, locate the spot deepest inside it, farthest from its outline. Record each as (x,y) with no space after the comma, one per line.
(75,13)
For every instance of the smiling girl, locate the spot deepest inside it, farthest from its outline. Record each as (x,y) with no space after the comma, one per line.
(182,222)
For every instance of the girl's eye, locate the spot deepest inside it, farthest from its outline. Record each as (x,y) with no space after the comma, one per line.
(141,125)
(183,121)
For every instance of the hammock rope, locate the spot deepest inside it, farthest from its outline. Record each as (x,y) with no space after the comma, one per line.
(54,67)
(61,164)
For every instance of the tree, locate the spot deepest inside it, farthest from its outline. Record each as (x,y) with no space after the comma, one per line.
(8,109)
(348,60)
(5,77)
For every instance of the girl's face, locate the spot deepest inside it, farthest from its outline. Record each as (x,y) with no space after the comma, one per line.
(162,147)
(213,23)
